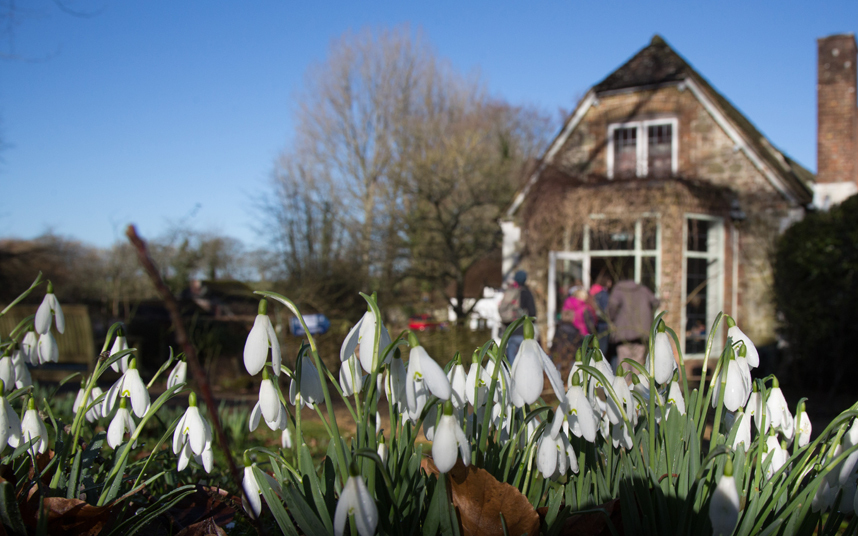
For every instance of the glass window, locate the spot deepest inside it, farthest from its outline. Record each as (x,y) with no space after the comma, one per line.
(696,277)
(649,233)
(612,235)
(704,280)
(625,151)
(698,232)
(648,275)
(659,150)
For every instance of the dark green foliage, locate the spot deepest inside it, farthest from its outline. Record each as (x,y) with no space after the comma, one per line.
(816,290)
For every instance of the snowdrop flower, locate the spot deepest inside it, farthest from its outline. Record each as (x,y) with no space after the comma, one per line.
(356,500)
(624,395)
(121,424)
(779,457)
(724,504)
(383,451)
(743,433)
(309,390)
(394,380)
(803,427)
(736,392)
(269,406)
(120,344)
(178,375)
(363,334)
(132,386)
(32,427)
(578,411)
(48,310)
(848,467)
(286,438)
(22,373)
(675,398)
(458,384)
(664,363)
(95,411)
(448,437)
(10,424)
(477,383)
(757,409)
(29,345)
(193,437)
(48,350)
(824,497)
(351,376)
(424,376)
(776,405)
(252,502)
(554,455)
(620,435)
(7,371)
(738,336)
(261,337)
(528,366)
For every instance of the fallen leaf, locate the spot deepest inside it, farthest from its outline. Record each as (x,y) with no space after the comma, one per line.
(480,499)
(204,503)
(67,516)
(206,527)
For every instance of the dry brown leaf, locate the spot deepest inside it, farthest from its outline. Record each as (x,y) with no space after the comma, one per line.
(67,516)
(592,524)
(206,527)
(480,499)
(204,503)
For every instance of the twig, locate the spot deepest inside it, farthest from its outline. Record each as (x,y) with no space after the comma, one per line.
(190,353)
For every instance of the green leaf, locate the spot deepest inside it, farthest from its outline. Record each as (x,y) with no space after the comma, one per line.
(304,514)
(274,504)
(9,512)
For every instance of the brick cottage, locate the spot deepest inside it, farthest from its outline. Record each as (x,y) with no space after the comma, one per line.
(658,178)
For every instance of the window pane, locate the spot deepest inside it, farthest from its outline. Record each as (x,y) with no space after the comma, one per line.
(611,235)
(698,236)
(649,232)
(695,308)
(616,268)
(659,150)
(625,151)
(648,273)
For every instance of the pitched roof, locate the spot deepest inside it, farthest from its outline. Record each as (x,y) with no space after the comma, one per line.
(658,64)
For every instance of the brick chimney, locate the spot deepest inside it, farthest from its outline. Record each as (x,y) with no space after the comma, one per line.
(837,127)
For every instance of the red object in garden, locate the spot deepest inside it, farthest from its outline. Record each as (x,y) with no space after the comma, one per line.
(424,322)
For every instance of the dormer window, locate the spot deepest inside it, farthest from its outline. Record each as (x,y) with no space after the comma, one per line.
(643,148)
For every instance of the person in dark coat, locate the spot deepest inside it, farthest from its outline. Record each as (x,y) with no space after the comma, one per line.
(528,305)
(631,307)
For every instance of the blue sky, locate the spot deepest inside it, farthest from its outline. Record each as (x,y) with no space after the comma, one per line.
(160,112)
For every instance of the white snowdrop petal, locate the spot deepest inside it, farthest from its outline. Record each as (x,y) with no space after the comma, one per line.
(276,359)
(135,389)
(366,512)
(351,342)
(42,323)
(255,415)
(58,313)
(256,347)
(444,446)
(268,401)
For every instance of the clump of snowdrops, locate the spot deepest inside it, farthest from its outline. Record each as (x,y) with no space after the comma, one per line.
(727,458)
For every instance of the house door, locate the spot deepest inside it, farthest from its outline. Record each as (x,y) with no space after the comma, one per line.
(565,270)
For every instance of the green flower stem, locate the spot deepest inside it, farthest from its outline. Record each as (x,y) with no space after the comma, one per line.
(498,363)
(19,299)
(719,407)
(710,341)
(335,382)
(335,436)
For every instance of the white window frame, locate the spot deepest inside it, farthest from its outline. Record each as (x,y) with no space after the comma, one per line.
(586,254)
(715,255)
(642,148)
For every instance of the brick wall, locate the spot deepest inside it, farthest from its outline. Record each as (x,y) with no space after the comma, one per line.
(837,115)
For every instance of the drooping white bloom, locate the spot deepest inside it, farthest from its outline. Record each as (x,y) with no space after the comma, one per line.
(736,392)
(743,433)
(49,351)
(121,424)
(356,500)
(351,376)
(824,497)
(757,409)
(394,380)
(193,437)
(22,373)
(178,375)
(803,427)
(383,451)
(620,435)
(477,384)
(578,411)
(424,376)
(32,427)
(738,336)
(675,398)
(779,456)
(95,411)
(362,335)
(555,455)
(120,344)
(777,407)
(29,345)
(261,337)
(459,385)
(849,466)
(664,362)
(132,386)
(269,407)
(286,438)
(724,504)
(526,373)
(10,425)
(7,372)
(48,310)
(624,395)
(448,441)
(310,392)
(252,503)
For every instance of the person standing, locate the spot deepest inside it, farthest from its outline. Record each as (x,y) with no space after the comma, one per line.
(630,308)
(600,292)
(517,302)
